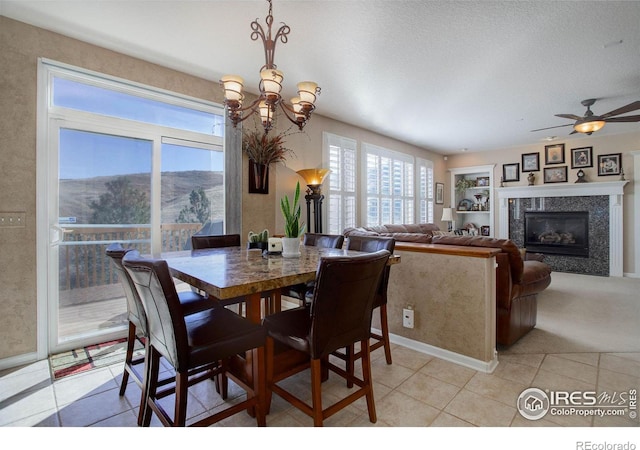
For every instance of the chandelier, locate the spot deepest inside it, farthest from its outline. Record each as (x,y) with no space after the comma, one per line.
(270,85)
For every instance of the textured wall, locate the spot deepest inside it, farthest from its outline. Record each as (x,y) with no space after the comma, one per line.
(451,296)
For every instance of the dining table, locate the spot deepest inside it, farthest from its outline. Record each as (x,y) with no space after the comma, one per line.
(232,272)
(250,275)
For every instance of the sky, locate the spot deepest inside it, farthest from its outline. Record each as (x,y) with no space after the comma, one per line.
(84,154)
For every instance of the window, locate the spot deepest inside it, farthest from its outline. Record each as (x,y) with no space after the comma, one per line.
(340,157)
(389,186)
(425,190)
(117,162)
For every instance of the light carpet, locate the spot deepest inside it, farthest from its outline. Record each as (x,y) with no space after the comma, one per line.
(583,313)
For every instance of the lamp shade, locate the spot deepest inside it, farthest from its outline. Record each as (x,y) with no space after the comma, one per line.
(447,215)
(313,177)
(589,126)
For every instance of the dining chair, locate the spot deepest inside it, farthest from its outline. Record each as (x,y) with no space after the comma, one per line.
(190,303)
(198,346)
(339,315)
(200,241)
(302,291)
(348,354)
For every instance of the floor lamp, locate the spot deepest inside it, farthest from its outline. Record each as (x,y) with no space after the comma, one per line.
(447,216)
(314,179)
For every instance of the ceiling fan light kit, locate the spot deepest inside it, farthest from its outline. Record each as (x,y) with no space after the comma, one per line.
(270,85)
(591,123)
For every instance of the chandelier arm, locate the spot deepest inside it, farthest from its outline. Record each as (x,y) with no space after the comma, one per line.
(300,122)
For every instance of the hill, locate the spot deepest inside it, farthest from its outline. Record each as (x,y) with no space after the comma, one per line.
(76,195)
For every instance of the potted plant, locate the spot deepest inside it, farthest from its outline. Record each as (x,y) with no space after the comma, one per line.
(292,227)
(263,149)
(258,240)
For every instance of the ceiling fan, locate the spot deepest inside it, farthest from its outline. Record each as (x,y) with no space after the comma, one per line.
(590,122)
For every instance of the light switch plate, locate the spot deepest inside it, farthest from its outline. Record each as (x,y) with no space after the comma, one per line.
(12,219)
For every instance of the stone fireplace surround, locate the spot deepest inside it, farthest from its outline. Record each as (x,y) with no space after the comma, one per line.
(559,196)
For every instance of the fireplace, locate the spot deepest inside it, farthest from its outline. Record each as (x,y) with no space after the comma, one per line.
(557,233)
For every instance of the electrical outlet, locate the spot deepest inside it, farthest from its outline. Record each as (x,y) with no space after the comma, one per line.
(407,317)
(12,219)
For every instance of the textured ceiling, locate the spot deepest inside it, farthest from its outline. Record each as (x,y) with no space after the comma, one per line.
(443,75)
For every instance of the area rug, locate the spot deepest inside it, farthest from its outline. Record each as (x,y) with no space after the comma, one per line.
(91,357)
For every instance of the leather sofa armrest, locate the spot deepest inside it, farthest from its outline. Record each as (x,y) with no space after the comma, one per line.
(536,277)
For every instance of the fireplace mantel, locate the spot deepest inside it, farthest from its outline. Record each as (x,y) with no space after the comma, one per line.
(562,190)
(613,189)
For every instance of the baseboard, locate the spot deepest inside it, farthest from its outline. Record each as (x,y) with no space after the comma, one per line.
(19,360)
(631,275)
(456,358)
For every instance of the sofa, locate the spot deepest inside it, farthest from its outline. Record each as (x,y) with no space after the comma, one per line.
(422,232)
(518,282)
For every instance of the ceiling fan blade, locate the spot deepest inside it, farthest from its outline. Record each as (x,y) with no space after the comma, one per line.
(623,119)
(548,128)
(569,116)
(625,109)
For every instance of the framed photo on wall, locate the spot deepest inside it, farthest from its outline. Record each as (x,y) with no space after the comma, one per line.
(554,154)
(610,164)
(439,193)
(530,162)
(511,172)
(581,157)
(555,174)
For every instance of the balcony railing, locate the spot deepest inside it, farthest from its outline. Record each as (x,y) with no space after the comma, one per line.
(83,263)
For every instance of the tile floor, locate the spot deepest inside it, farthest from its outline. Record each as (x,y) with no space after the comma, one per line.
(428,394)
(417,390)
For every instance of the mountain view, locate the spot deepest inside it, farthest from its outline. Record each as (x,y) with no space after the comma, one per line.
(76,195)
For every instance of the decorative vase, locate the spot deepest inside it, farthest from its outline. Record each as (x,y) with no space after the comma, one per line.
(290,247)
(258,178)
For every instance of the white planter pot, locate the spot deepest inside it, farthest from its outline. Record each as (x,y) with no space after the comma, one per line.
(290,247)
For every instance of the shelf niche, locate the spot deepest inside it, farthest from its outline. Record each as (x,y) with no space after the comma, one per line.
(469,209)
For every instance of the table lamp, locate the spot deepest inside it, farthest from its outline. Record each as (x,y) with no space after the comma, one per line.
(447,216)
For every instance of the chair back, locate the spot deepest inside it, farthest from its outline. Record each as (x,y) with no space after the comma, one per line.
(373,244)
(165,319)
(214,241)
(135,309)
(343,300)
(323,240)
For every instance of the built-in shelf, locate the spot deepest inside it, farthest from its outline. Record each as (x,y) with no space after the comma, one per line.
(482,218)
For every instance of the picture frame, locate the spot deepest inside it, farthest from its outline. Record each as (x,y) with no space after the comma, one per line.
(555,174)
(482,181)
(511,172)
(531,162)
(581,157)
(439,193)
(554,154)
(485,230)
(610,164)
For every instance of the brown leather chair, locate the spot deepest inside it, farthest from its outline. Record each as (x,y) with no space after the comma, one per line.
(372,244)
(198,346)
(340,315)
(303,290)
(190,303)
